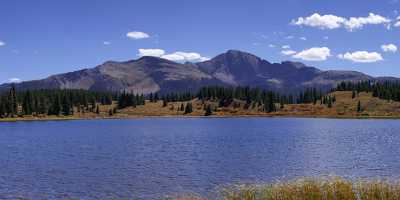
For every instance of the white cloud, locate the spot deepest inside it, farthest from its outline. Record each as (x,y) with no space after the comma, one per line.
(320,21)
(151,52)
(286,47)
(288,52)
(397,24)
(178,56)
(314,54)
(14,80)
(271,45)
(185,57)
(358,22)
(137,35)
(303,38)
(326,38)
(361,56)
(334,22)
(2,43)
(389,48)
(107,43)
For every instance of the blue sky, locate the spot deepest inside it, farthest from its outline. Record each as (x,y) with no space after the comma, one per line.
(39,38)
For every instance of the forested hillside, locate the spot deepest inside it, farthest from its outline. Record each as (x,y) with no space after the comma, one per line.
(349,99)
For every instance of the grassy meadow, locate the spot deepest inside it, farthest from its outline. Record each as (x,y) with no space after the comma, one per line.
(344,107)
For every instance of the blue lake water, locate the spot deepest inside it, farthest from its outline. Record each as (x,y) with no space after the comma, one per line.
(155,157)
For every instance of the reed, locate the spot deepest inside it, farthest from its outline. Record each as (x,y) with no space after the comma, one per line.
(333,188)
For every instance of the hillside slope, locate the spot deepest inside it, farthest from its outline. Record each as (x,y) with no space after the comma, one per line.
(233,68)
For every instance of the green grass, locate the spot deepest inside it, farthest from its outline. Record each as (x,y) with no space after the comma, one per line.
(312,189)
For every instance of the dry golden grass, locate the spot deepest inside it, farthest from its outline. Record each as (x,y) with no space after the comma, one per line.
(344,107)
(314,189)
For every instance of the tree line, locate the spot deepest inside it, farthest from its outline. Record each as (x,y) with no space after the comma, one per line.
(67,101)
(51,102)
(387,90)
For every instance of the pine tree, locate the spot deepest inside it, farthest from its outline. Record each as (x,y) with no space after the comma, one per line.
(66,106)
(27,103)
(359,109)
(329,102)
(2,108)
(12,108)
(188,108)
(164,103)
(208,111)
(55,105)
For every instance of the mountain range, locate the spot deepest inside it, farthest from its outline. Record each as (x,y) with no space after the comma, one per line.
(232,68)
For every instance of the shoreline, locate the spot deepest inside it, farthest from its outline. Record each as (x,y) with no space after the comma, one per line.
(33,119)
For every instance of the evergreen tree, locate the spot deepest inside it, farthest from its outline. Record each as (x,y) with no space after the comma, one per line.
(27,103)
(165,103)
(208,111)
(188,108)
(66,106)
(329,102)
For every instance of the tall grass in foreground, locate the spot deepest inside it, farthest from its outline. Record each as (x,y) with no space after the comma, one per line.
(312,189)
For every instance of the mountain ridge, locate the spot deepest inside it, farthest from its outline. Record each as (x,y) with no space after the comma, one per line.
(232,68)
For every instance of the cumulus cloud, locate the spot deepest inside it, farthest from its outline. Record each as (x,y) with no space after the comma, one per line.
(397,24)
(288,52)
(333,22)
(359,22)
(286,47)
(361,56)
(314,54)
(151,52)
(303,38)
(178,56)
(271,45)
(14,80)
(137,35)
(184,57)
(2,43)
(320,21)
(106,43)
(389,48)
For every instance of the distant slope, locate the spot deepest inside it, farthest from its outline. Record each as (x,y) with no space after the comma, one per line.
(233,68)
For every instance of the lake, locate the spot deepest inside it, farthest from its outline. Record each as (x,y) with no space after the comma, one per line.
(152,158)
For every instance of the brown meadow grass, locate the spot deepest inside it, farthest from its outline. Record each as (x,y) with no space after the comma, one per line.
(311,189)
